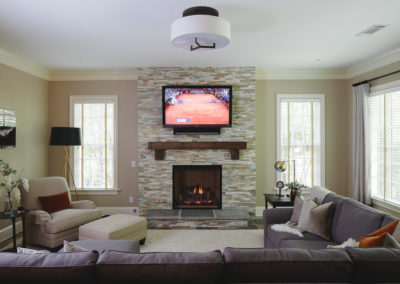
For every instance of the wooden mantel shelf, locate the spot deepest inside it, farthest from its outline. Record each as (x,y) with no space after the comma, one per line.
(160,147)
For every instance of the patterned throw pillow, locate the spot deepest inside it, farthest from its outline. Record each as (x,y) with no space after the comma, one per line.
(316,219)
(298,203)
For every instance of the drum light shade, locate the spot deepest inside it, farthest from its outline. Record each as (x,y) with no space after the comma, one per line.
(65,136)
(200,28)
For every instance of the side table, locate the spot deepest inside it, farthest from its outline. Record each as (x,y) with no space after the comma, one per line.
(13,217)
(277,201)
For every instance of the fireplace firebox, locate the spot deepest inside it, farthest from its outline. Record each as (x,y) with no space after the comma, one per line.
(197,186)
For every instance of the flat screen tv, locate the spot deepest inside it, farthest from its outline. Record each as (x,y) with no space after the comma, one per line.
(7,136)
(197,106)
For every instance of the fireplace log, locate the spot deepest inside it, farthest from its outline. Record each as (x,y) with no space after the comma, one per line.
(160,147)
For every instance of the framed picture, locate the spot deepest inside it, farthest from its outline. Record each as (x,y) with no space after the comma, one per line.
(8,128)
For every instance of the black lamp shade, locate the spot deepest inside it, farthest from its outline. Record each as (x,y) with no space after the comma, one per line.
(65,136)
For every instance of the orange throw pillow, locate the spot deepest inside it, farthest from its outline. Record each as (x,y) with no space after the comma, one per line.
(56,202)
(376,238)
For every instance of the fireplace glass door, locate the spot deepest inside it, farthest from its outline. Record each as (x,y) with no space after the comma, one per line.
(196,186)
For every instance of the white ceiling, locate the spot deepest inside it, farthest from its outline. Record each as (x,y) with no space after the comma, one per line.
(268,34)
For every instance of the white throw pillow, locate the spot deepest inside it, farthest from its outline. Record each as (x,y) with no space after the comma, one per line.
(70,247)
(30,251)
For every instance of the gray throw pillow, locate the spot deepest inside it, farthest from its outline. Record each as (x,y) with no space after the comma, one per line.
(396,233)
(298,203)
(390,242)
(316,219)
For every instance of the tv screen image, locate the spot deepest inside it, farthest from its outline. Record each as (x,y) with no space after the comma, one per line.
(197,106)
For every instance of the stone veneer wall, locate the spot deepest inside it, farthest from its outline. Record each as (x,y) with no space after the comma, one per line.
(238,176)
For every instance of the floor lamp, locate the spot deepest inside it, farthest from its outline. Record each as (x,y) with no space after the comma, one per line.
(66,136)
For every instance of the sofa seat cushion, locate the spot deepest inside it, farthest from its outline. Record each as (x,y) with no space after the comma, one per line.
(160,267)
(48,268)
(356,220)
(71,218)
(276,237)
(307,244)
(375,265)
(286,266)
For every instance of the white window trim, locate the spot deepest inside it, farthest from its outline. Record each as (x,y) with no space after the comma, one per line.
(382,89)
(301,98)
(91,99)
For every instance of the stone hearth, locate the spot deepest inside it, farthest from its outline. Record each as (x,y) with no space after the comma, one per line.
(195,218)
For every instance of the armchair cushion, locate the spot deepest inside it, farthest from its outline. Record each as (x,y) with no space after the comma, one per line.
(83,204)
(38,217)
(71,218)
(55,202)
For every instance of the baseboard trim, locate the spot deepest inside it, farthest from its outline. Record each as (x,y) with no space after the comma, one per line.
(6,233)
(259,210)
(119,210)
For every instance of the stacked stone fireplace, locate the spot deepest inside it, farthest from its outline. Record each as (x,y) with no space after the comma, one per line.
(238,177)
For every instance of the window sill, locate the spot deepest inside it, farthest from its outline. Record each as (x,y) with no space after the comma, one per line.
(386,204)
(96,192)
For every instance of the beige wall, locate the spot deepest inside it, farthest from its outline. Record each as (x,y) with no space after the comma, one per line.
(27,95)
(335,130)
(366,76)
(59,93)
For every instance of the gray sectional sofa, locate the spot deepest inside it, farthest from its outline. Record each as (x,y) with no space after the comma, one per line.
(351,219)
(286,258)
(235,265)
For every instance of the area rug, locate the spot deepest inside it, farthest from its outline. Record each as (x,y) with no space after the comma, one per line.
(201,240)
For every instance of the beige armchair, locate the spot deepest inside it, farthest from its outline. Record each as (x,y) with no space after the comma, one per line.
(50,230)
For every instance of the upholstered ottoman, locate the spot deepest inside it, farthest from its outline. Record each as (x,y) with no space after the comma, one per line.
(115,227)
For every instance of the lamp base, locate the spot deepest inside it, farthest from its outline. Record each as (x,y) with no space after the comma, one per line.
(279,193)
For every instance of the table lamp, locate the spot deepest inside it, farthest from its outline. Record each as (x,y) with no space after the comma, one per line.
(280,166)
(66,136)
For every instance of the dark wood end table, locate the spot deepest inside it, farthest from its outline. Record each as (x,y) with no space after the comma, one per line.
(16,214)
(277,201)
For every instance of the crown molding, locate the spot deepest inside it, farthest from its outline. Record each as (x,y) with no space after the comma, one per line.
(90,75)
(24,65)
(374,63)
(311,74)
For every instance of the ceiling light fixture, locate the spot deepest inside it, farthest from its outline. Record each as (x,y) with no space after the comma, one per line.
(200,28)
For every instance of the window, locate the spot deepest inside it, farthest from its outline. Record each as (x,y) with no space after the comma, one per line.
(95,162)
(300,138)
(384,143)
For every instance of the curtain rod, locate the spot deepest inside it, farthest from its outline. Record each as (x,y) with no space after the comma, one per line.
(376,78)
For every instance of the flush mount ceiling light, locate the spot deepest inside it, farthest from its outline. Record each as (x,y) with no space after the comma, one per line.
(200,28)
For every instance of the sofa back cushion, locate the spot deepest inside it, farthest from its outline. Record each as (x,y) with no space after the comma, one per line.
(354,220)
(160,267)
(57,268)
(375,265)
(286,266)
(43,187)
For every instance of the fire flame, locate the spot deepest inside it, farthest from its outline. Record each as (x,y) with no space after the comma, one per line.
(198,190)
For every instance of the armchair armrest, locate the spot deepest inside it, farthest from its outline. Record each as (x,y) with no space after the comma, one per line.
(38,217)
(83,204)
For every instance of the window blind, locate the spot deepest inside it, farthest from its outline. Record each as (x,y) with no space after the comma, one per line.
(300,130)
(94,160)
(384,140)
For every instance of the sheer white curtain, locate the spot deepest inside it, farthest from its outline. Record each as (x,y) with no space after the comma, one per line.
(361,176)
